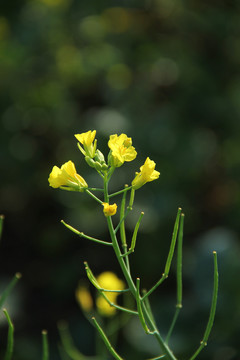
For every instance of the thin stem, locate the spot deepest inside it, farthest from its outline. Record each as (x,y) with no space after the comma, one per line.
(148,307)
(122,225)
(134,238)
(93,196)
(120,192)
(81,234)
(164,277)
(179,278)
(139,307)
(170,255)
(173,324)
(95,283)
(45,345)
(212,310)
(9,351)
(1,224)
(9,288)
(68,345)
(173,242)
(179,263)
(129,311)
(122,220)
(131,199)
(91,277)
(95,189)
(115,291)
(106,341)
(122,228)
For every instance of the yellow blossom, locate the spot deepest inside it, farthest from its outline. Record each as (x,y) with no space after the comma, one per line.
(121,149)
(109,210)
(84,298)
(108,280)
(147,173)
(66,177)
(87,140)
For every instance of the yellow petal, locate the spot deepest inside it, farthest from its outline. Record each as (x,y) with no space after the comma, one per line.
(109,210)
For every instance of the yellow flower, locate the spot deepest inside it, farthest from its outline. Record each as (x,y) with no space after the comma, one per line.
(103,306)
(66,177)
(109,210)
(84,298)
(121,149)
(87,140)
(108,280)
(147,173)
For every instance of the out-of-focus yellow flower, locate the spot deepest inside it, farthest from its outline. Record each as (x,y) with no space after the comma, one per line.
(108,280)
(103,306)
(147,173)
(121,149)
(84,298)
(109,210)
(67,177)
(87,140)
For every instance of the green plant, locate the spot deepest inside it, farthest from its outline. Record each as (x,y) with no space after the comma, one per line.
(67,178)
(5,294)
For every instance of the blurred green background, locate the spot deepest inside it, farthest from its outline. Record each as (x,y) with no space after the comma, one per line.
(166,73)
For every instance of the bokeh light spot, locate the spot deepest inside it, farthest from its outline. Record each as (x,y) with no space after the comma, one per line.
(164,72)
(92,28)
(109,121)
(69,61)
(117,19)
(119,76)
(4,28)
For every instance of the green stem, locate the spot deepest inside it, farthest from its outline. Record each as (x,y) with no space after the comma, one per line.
(93,196)
(106,341)
(45,345)
(164,277)
(212,311)
(9,288)
(173,324)
(95,189)
(173,243)
(115,291)
(134,238)
(122,220)
(170,255)
(129,311)
(68,345)
(81,234)
(179,278)
(139,307)
(131,199)
(148,307)
(122,224)
(120,192)
(1,224)
(9,351)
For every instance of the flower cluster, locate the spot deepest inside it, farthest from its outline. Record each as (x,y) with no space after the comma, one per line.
(120,150)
